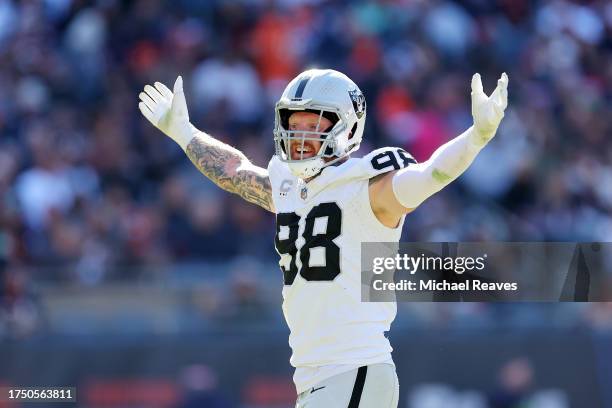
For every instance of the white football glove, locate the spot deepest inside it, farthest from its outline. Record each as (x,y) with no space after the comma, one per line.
(167,111)
(488,111)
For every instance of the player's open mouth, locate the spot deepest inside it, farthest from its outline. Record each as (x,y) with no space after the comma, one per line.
(305,152)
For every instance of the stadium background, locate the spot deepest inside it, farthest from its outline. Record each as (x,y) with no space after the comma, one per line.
(127,274)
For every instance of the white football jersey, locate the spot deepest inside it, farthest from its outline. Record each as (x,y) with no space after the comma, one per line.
(320,226)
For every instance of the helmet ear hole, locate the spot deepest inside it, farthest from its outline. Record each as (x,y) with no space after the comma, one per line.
(353,131)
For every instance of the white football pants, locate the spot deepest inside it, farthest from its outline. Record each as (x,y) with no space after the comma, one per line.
(373,386)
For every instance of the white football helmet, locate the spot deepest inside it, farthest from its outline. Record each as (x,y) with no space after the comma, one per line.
(332,95)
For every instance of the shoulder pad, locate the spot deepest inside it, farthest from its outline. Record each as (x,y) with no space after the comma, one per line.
(277,169)
(280,175)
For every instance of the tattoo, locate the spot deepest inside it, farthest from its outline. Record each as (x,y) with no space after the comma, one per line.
(229,168)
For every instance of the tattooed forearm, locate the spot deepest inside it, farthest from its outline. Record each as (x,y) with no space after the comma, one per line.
(229,168)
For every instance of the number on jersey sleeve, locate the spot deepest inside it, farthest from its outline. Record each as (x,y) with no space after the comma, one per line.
(392,159)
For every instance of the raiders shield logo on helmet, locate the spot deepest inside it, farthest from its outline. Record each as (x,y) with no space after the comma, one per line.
(359,103)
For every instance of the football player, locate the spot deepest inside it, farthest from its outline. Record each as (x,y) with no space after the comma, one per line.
(326,204)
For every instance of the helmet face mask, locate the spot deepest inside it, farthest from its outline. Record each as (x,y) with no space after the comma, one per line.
(331,95)
(284,135)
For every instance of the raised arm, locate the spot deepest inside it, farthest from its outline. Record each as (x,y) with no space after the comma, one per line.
(399,192)
(224,165)
(229,168)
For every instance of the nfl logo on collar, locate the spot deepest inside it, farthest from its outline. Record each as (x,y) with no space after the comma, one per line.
(304,193)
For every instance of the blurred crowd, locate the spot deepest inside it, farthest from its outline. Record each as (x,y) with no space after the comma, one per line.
(89,189)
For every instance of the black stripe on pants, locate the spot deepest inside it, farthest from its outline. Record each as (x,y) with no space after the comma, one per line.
(358,387)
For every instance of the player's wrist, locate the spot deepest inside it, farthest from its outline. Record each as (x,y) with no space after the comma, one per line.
(480,137)
(184,136)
